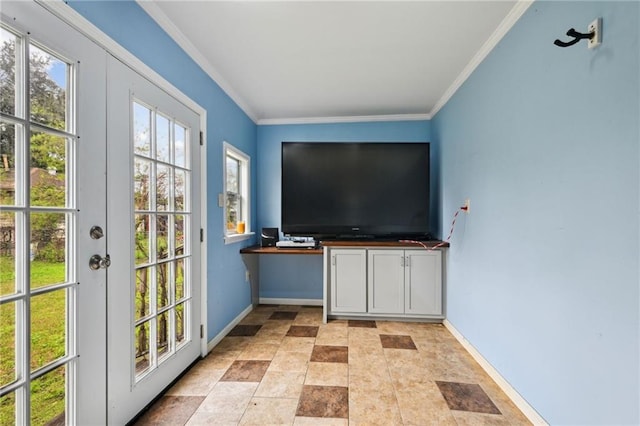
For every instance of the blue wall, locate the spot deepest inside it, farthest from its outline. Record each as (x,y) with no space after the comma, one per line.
(129,25)
(544,272)
(300,277)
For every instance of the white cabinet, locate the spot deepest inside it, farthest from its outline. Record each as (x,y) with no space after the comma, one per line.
(423,282)
(404,282)
(383,282)
(348,280)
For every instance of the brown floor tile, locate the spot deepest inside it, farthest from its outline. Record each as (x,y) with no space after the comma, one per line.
(302,331)
(171,410)
(283,315)
(364,324)
(397,342)
(244,330)
(324,401)
(467,397)
(330,354)
(246,371)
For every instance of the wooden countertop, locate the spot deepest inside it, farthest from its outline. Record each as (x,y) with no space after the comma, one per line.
(274,250)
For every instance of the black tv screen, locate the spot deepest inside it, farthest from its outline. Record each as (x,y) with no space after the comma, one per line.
(355,190)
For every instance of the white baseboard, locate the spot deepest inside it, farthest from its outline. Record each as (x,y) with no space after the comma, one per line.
(213,342)
(515,397)
(308,302)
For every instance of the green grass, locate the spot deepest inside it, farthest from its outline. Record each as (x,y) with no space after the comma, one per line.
(47,341)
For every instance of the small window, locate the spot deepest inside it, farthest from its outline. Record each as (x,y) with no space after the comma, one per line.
(236,194)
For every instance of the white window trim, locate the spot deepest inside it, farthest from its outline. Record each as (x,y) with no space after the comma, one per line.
(245,188)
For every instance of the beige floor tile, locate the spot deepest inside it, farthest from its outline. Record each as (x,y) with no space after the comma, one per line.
(198,381)
(219,361)
(308,318)
(421,403)
(329,335)
(281,384)
(270,411)
(290,361)
(327,374)
(319,421)
(227,401)
(231,344)
(259,351)
(465,418)
(373,405)
(297,344)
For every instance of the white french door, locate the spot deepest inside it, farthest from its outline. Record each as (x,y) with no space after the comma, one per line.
(99,229)
(52,192)
(154,215)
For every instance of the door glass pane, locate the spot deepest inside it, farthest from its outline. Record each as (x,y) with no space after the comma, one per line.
(48,326)
(48,158)
(143,238)
(162,237)
(8,409)
(7,163)
(47,398)
(141,130)
(7,253)
(179,187)
(179,234)
(162,285)
(141,184)
(8,346)
(143,357)
(162,138)
(179,271)
(180,146)
(163,181)
(180,323)
(8,80)
(143,277)
(48,88)
(163,328)
(48,249)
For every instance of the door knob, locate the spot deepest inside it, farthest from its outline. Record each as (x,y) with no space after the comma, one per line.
(98,262)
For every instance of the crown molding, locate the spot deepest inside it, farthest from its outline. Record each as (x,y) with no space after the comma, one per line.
(509,21)
(154,11)
(343,119)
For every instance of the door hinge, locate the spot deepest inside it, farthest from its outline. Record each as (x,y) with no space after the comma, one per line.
(201,235)
(201,138)
(202,331)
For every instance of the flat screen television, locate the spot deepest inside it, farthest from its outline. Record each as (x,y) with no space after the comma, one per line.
(347,190)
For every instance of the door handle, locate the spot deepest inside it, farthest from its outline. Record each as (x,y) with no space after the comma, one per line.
(98,262)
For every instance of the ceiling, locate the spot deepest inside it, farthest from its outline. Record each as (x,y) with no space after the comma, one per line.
(315,61)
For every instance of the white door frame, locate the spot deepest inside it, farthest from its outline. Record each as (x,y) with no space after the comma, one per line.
(73,18)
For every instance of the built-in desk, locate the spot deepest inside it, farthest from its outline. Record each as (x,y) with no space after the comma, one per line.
(252,263)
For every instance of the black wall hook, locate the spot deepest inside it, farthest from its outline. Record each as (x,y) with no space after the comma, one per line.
(576,38)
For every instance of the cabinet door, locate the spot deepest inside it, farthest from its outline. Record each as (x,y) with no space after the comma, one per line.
(348,280)
(386,281)
(423,282)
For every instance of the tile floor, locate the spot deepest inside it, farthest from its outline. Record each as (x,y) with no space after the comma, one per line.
(281,365)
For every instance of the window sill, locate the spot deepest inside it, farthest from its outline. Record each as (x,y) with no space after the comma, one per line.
(236,238)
